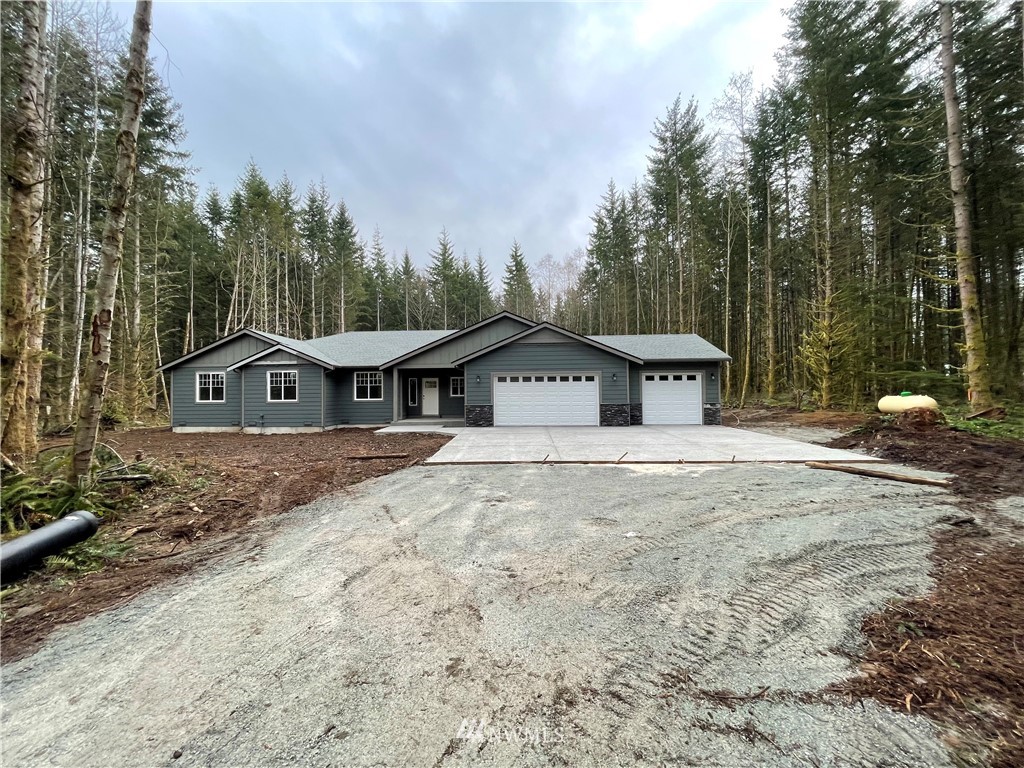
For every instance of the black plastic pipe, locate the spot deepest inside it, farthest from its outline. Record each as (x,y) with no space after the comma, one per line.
(20,554)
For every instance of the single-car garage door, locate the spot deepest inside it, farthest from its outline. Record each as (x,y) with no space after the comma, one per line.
(673,398)
(532,400)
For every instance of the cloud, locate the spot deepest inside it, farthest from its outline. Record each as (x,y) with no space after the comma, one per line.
(753,42)
(498,121)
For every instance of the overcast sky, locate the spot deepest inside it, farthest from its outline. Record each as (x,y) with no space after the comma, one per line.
(497,121)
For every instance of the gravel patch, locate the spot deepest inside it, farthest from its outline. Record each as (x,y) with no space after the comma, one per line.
(506,615)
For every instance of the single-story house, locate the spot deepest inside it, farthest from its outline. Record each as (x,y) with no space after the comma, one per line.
(503,371)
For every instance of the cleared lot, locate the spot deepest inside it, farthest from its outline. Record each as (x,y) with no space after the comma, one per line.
(626,445)
(613,615)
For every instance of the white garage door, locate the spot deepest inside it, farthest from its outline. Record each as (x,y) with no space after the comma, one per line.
(548,400)
(673,398)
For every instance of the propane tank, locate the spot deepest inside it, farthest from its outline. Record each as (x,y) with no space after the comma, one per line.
(905,401)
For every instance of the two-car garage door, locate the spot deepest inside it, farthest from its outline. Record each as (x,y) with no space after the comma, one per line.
(529,400)
(673,398)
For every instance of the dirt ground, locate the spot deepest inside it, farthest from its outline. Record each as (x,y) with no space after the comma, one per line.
(957,654)
(210,485)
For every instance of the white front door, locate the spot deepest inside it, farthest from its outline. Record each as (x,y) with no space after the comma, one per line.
(548,400)
(430,401)
(673,398)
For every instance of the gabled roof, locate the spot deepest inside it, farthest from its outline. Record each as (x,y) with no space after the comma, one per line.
(456,334)
(213,345)
(551,327)
(279,348)
(666,346)
(304,349)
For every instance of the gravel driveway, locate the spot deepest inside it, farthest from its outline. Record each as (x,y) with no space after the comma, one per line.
(505,615)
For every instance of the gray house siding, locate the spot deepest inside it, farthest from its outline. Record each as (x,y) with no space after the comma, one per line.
(260,413)
(443,354)
(544,358)
(342,408)
(450,406)
(712,392)
(186,412)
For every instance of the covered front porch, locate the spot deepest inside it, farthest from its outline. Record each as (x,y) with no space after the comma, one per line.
(425,395)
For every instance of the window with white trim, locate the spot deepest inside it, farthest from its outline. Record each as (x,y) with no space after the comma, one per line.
(369,385)
(209,387)
(457,386)
(282,386)
(414,392)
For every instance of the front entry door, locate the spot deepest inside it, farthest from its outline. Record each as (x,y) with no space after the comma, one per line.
(430,401)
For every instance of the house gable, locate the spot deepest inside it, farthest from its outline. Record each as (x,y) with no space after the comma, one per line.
(546,332)
(440,353)
(223,352)
(278,354)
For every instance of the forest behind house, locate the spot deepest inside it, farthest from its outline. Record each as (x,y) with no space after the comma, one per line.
(805,227)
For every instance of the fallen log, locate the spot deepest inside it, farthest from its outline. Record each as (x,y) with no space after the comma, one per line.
(10,465)
(366,457)
(124,479)
(995,413)
(880,474)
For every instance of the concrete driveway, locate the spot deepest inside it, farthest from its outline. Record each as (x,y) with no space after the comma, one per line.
(628,445)
(520,615)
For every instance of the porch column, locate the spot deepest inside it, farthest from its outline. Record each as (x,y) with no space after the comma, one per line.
(396,392)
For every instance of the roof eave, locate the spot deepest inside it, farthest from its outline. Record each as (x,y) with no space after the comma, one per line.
(279,348)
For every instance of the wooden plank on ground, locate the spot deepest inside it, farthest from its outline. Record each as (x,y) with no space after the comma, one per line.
(880,474)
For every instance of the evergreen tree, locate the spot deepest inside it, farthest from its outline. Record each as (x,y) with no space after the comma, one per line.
(518,295)
(442,279)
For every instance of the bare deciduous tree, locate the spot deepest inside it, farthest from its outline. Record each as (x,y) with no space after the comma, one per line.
(87,428)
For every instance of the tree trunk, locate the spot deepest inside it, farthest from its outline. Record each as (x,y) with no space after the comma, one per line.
(769,295)
(748,314)
(22,341)
(979,388)
(82,248)
(87,428)
(728,295)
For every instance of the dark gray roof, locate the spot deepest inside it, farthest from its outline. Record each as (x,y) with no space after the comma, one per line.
(665,346)
(367,348)
(307,348)
(371,349)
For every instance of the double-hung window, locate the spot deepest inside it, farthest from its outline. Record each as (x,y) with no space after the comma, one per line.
(457,386)
(209,387)
(282,386)
(369,385)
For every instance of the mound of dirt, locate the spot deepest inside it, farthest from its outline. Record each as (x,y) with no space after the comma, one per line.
(986,468)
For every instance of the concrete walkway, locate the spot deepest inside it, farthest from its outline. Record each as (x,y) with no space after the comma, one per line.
(644,445)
